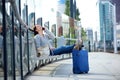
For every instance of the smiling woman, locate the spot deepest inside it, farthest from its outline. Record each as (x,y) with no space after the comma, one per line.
(21,45)
(43,46)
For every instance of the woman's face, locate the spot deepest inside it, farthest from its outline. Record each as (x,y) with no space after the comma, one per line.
(38,28)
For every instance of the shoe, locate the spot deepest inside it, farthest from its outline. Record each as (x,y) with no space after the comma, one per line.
(78,45)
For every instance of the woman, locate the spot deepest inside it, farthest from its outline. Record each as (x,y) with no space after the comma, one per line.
(44,48)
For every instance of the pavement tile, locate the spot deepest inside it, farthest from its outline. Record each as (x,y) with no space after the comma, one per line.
(47,68)
(46,78)
(39,73)
(103,66)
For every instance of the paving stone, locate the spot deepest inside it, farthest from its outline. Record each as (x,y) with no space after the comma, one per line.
(103,66)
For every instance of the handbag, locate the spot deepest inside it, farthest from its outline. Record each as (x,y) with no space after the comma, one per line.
(43,51)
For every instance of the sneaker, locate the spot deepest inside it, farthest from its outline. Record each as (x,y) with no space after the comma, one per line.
(78,45)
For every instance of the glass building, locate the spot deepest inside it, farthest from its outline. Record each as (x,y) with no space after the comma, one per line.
(89,33)
(117,3)
(106,9)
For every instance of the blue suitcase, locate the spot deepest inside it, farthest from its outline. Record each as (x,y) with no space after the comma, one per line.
(80,61)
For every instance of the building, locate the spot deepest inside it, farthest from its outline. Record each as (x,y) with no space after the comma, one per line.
(117,3)
(61,6)
(39,21)
(90,37)
(106,12)
(118,35)
(31,19)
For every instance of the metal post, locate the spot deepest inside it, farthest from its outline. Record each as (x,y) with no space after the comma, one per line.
(104,43)
(69,36)
(41,21)
(104,28)
(114,28)
(49,25)
(20,36)
(13,48)
(79,31)
(71,8)
(89,46)
(28,63)
(34,18)
(4,41)
(74,9)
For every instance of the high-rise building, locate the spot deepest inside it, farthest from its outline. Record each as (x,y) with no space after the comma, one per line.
(106,12)
(72,4)
(39,21)
(31,19)
(24,14)
(61,6)
(118,34)
(90,37)
(117,3)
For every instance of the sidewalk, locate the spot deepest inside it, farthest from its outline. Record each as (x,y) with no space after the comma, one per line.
(103,66)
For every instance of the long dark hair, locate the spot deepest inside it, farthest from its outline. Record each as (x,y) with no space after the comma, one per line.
(34,29)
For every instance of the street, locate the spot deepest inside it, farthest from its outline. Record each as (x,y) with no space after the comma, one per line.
(103,66)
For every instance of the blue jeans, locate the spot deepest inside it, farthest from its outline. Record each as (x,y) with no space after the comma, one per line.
(62,50)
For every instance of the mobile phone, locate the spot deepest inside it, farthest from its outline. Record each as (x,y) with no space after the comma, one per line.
(43,28)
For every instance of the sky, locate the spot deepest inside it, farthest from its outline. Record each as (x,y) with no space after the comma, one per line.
(88,11)
(89,14)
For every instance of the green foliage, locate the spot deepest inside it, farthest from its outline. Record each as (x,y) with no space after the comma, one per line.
(72,34)
(83,34)
(67,12)
(77,14)
(67,8)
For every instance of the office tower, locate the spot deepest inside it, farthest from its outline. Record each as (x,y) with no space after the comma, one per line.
(117,3)
(61,6)
(90,37)
(31,20)
(106,12)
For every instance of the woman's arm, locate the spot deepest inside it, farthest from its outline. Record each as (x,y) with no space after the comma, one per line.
(50,34)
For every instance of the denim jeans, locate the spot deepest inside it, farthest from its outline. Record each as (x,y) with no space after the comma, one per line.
(62,50)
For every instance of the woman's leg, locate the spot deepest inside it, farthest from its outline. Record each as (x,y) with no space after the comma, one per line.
(66,49)
(62,50)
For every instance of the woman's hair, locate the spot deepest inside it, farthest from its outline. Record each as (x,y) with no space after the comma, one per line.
(34,29)
(0,23)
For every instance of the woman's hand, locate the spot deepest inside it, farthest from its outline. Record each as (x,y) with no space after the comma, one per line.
(52,48)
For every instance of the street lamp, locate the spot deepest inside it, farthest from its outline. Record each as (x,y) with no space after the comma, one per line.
(79,30)
(114,28)
(104,43)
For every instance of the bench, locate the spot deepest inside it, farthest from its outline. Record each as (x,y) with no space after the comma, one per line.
(60,42)
(34,61)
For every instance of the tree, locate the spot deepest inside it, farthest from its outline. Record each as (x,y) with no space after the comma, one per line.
(67,8)
(67,12)
(83,34)
(77,14)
